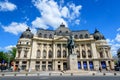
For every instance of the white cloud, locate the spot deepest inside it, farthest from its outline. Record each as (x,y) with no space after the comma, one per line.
(75,10)
(7,6)
(113,46)
(77,21)
(53,14)
(117,37)
(15,28)
(9,47)
(115,43)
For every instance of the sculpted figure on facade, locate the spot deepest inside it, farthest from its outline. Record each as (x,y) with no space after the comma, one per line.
(70,45)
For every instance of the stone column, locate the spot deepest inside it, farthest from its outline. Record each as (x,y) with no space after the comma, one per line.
(61,65)
(47,51)
(104,53)
(112,64)
(22,53)
(41,55)
(88,66)
(40,65)
(107,65)
(82,65)
(94,50)
(61,51)
(86,51)
(27,65)
(20,64)
(80,51)
(54,50)
(56,65)
(46,65)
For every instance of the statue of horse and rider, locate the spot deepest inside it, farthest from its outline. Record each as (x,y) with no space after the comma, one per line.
(70,45)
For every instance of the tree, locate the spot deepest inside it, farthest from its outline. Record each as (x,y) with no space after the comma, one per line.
(13,53)
(3,56)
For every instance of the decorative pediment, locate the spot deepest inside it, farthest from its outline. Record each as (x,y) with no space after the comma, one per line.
(62,38)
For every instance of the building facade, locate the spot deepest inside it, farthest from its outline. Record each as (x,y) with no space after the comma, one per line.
(46,50)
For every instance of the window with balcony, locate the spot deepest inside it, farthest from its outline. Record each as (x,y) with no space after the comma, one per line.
(50,55)
(38,54)
(58,54)
(44,54)
(89,53)
(83,54)
(64,54)
(78,53)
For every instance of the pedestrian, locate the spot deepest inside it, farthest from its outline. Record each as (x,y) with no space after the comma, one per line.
(100,69)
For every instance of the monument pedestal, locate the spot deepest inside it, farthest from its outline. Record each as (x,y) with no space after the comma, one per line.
(72,62)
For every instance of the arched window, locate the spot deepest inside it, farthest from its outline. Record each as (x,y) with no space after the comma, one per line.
(38,54)
(44,54)
(58,54)
(50,55)
(25,54)
(64,54)
(78,53)
(86,35)
(40,35)
(76,36)
(81,36)
(19,53)
(66,31)
(101,55)
(83,54)
(50,36)
(89,53)
(45,35)
(60,31)
(107,53)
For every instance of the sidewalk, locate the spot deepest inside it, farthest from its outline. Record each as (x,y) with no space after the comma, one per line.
(58,73)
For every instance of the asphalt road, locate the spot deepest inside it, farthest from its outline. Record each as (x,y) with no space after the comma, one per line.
(61,78)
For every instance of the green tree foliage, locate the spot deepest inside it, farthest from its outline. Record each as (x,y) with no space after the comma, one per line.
(3,56)
(6,55)
(13,53)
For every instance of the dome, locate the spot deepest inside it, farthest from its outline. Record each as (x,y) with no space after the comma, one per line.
(27,34)
(62,30)
(97,35)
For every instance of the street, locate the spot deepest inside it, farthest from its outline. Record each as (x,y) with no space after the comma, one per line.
(61,78)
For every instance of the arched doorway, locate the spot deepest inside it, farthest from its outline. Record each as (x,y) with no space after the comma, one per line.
(79,65)
(85,65)
(103,64)
(91,65)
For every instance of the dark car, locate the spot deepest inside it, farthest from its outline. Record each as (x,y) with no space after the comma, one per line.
(117,68)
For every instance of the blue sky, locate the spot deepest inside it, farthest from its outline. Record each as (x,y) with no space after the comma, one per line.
(17,15)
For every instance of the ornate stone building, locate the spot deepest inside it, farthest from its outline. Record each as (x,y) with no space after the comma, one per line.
(46,50)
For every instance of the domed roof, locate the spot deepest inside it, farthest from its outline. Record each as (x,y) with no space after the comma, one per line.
(27,34)
(98,36)
(62,30)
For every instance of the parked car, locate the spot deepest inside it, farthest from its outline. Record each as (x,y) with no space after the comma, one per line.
(117,68)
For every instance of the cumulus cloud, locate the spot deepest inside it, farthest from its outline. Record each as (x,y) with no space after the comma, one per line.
(52,14)
(117,37)
(7,6)
(115,43)
(9,47)
(15,28)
